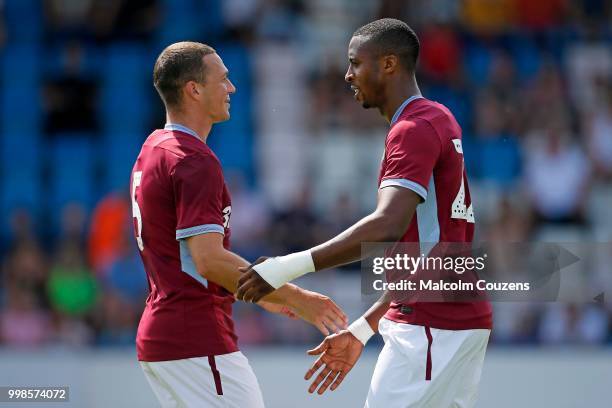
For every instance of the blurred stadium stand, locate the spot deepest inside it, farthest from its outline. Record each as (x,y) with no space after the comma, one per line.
(529,81)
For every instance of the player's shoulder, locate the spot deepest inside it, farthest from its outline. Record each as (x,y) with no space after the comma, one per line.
(410,124)
(430,111)
(425,116)
(414,120)
(178,147)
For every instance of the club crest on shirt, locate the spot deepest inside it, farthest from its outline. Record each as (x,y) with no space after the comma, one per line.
(458,146)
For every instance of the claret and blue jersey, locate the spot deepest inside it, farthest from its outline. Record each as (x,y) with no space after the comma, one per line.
(423,152)
(178,191)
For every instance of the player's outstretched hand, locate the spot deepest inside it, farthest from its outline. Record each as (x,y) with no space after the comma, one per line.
(339,353)
(319,310)
(251,286)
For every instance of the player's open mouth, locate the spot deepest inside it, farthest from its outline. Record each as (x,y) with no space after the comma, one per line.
(355,90)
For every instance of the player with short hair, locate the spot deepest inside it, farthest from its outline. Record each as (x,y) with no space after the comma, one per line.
(433,351)
(186,342)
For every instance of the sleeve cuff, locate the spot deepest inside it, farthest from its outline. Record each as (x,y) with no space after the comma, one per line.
(199,229)
(409,184)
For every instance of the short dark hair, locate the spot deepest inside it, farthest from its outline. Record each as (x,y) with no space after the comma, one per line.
(178,64)
(391,36)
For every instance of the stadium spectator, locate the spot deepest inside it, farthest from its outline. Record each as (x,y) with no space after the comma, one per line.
(123,20)
(115,321)
(22,229)
(573,324)
(488,17)
(106,232)
(72,288)
(23,323)
(240,17)
(498,158)
(503,81)
(67,19)
(541,14)
(441,52)
(278,20)
(126,276)
(598,126)
(24,264)
(72,225)
(421,13)
(70,96)
(299,217)
(544,100)
(250,218)
(331,108)
(25,268)
(341,214)
(326,95)
(591,13)
(557,176)
(587,62)
(511,224)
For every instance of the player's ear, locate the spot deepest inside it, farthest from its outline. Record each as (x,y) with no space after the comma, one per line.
(192,90)
(389,63)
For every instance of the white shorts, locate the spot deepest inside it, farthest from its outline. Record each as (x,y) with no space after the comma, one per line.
(225,381)
(426,367)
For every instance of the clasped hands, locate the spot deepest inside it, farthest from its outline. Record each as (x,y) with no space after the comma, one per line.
(337,353)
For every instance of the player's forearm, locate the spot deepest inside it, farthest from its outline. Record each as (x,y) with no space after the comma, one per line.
(222,268)
(377,311)
(367,325)
(343,249)
(346,247)
(396,206)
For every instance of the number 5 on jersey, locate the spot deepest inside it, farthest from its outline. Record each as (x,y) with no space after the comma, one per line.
(136,179)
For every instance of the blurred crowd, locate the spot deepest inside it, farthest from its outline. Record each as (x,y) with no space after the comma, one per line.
(530,82)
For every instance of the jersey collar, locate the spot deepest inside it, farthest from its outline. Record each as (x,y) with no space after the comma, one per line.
(399,110)
(181,128)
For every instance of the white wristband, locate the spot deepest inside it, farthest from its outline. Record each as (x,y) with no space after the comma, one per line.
(361,329)
(282,269)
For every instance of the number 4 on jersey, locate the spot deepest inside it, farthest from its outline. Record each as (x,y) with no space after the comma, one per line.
(459,210)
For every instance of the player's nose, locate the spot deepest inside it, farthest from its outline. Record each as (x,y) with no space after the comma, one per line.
(232,88)
(348,77)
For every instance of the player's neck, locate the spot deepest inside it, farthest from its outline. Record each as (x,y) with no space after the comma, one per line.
(398,92)
(197,123)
